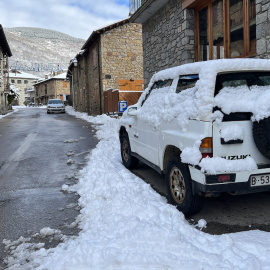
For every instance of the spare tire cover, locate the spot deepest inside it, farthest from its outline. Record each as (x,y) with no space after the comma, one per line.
(261,136)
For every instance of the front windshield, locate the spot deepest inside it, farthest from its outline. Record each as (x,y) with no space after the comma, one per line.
(55,102)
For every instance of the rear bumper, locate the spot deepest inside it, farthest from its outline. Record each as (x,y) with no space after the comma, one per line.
(237,188)
(240,184)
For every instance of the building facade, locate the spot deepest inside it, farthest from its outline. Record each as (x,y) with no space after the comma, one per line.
(110,54)
(52,87)
(4,80)
(24,82)
(179,32)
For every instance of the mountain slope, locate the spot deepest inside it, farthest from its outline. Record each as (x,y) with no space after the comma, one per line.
(39,51)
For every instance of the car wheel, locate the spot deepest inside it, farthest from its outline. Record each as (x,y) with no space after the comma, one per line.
(261,136)
(180,189)
(129,161)
(47,112)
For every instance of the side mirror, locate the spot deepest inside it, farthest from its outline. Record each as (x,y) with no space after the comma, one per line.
(132,111)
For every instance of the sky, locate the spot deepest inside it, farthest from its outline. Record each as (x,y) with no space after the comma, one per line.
(77,18)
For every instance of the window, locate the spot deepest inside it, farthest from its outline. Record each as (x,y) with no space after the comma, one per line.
(25,81)
(186,81)
(225,29)
(12,81)
(217,29)
(162,84)
(158,85)
(203,30)
(236,28)
(46,89)
(248,78)
(252,25)
(19,81)
(55,101)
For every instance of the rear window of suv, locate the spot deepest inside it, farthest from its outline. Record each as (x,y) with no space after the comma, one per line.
(242,78)
(236,79)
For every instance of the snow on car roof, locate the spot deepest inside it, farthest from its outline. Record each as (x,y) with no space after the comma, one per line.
(213,66)
(197,102)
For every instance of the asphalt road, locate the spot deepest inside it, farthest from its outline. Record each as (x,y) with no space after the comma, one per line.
(34,152)
(224,214)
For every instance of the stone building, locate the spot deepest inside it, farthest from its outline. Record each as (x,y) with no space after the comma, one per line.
(178,32)
(22,81)
(54,86)
(5,52)
(109,56)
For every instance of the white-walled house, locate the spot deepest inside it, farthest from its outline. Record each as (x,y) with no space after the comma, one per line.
(24,81)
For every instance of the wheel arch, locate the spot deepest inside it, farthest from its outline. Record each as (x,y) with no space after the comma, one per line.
(122,130)
(169,152)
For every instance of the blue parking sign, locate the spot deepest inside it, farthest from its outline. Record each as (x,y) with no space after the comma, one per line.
(122,106)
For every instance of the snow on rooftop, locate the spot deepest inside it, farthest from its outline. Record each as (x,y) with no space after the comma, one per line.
(22,75)
(60,76)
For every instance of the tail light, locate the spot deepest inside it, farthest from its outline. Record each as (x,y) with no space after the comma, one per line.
(206,147)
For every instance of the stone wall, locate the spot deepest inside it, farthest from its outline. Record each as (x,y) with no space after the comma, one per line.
(168,39)
(61,87)
(55,88)
(115,54)
(121,55)
(263,28)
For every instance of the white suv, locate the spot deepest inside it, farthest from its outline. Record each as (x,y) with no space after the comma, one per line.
(206,127)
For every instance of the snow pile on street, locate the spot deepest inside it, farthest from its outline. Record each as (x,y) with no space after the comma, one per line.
(126,225)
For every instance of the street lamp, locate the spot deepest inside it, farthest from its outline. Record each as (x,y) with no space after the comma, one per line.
(75,62)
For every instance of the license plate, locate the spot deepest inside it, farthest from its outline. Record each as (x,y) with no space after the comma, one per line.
(260,180)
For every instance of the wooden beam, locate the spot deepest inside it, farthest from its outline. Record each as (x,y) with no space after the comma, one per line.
(226,27)
(246,27)
(210,31)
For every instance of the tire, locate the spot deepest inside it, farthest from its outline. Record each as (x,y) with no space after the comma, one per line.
(261,136)
(179,188)
(129,161)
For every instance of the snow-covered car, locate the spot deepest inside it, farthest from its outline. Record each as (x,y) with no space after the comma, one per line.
(206,127)
(55,105)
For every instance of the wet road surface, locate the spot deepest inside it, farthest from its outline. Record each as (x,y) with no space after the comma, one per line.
(34,152)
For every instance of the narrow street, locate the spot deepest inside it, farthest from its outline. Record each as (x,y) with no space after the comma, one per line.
(40,153)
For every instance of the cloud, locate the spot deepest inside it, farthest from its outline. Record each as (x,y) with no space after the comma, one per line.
(77,18)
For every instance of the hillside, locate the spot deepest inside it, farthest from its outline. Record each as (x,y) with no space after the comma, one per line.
(39,51)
